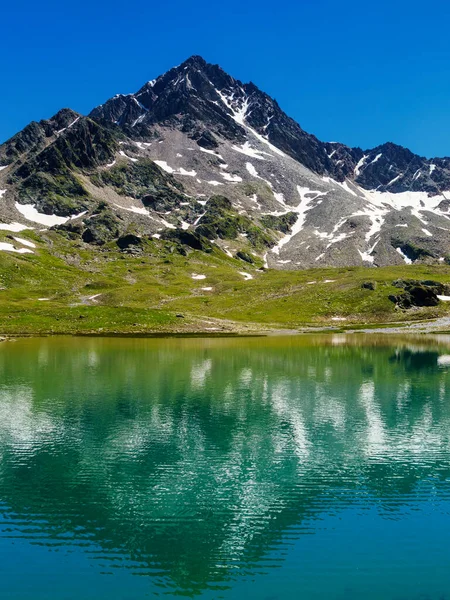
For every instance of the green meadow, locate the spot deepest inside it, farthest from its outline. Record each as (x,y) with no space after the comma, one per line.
(70,287)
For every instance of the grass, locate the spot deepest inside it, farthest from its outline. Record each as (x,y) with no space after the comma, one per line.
(144,293)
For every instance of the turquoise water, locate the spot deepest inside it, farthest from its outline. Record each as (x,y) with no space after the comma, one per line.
(315,468)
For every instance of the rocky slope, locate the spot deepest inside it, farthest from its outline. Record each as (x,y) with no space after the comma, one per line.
(200,158)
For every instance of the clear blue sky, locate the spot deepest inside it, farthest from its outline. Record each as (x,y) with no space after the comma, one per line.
(351,71)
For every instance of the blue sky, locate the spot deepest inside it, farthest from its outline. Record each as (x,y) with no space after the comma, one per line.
(350,71)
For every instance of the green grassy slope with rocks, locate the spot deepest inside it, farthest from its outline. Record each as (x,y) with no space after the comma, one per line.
(162,285)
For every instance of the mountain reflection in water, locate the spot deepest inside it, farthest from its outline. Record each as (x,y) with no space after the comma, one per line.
(199,463)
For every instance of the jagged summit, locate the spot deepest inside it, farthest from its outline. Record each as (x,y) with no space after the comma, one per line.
(196,154)
(197,95)
(196,61)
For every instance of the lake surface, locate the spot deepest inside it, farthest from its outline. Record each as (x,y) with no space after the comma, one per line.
(314,468)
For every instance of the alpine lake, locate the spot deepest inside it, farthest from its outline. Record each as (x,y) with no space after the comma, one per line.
(311,467)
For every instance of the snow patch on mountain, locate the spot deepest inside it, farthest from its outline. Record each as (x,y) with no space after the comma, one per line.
(135,209)
(13,227)
(6,247)
(168,169)
(301,210)
(164,166)
(247,149)
(376,159)
(24,242)
(30,212)
(359,165)
(231,178)
(366,257)
(246,276)
(122,153)
(207,151)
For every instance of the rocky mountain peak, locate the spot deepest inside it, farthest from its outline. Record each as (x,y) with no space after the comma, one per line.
(37,135)
(157,161)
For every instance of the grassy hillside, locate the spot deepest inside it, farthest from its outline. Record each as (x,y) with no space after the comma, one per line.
(70,287)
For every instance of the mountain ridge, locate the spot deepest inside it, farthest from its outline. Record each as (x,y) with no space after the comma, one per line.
(145,162)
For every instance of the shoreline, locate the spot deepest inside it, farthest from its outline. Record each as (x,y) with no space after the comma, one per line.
(436,326)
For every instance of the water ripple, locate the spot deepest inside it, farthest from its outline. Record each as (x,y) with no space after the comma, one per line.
(225,469)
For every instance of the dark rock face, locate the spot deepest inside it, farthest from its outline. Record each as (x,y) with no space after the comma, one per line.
(48,179)
(70,230)
(392,168)
(35,135)
(418,293)
(281,223)
(142,180)
(245,256)
(191,239)
(369,285)
(102,227)
(205,139)
(125,241)
(415,296)
(438,287)
(413,251)
(182,97)
(85,145)
(61,194)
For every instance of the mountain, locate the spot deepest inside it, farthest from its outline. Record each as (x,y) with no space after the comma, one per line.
(202,159)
